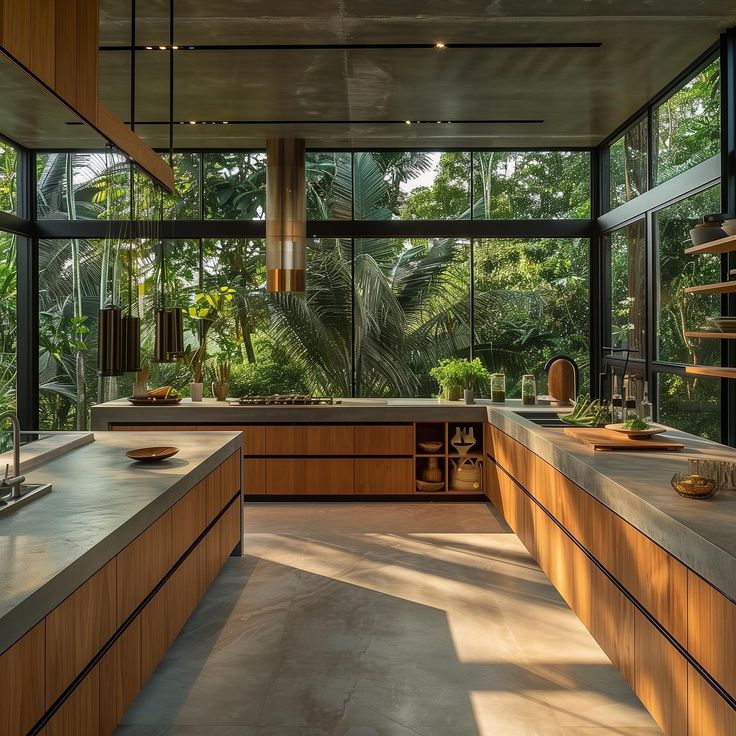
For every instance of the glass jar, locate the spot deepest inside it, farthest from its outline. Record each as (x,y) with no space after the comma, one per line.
(528,389)
(498,388)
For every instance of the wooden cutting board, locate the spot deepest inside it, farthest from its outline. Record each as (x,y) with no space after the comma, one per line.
(606,439)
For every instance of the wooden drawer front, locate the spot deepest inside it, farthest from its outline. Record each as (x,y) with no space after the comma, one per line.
(310,476)
(384,475)
(188,519)
(660,678)
(254,475)
(120,677)
(222,540)
(386,439)
(310,440)
(254,437)
(80,713)
(142,564)
(77,628)
(513,457)
(711,636)
(22,670)
(518,510)
(224,483)
(708,713)
(554,554)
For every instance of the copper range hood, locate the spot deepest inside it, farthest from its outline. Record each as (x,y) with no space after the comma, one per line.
(286,215)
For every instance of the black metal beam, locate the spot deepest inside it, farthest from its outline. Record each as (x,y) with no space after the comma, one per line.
(14,224)
(317,121)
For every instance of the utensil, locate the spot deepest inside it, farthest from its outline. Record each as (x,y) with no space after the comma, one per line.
(154,401)
(430,447)
(636,434)
(151,454)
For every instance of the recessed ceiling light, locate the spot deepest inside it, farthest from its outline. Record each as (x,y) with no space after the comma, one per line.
(225,122)
(149,48)
(408,122)
(440,45)
(192,122)
(162,48)
(176,48)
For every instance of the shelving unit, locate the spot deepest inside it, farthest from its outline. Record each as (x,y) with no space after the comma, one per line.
(724,287)
(712,371)
(724,245)
(711,335)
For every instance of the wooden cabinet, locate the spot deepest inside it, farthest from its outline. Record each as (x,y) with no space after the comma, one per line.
(43,42)
(518,511)
(310,440)
(22,669)
(79,715)
(711,631)
(15,29)
(386,439)
(660,677)
(223,484)
(77,629)
(222,540)
(142,564)
(188,519)
(254,435)
(254,475)
(708,713)
(384,475)
(120,677)
(310,476)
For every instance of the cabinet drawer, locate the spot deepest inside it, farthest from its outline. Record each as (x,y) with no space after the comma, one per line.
(711,636)
(188,519)
(310,440)
(707,712)
(310,476)
(80,713)
(77,628)
(254,437)
(142,564)
(22,670)
(385,439)
(384,475)
(224,483)
(222,539)
(254,475)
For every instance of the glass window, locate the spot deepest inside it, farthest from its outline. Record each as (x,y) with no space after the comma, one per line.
(234,185)
(412,308)
(152,203)
(628,164)
(8,165)
(8,322)
(329,186)
(411,186)
(545,185)
(678,312)
(628,289)
(687,125)
(100,183)
(691,403)
(531,302)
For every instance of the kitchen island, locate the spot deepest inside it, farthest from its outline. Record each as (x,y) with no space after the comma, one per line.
(98,577)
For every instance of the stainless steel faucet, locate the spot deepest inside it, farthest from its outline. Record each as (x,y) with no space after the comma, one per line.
(14,483)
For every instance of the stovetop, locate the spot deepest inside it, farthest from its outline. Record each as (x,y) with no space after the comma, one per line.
(284,400)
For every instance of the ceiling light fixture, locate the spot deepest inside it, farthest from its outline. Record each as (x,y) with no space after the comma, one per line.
(440,45)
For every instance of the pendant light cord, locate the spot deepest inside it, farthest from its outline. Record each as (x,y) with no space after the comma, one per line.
(132,127)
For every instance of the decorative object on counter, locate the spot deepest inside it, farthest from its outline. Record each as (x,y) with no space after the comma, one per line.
(563,379)
(466,474)
(645,406)
(692,485)
(705,232)
(604,439)
(463,440)
(140,386)
(474,373)
(729,226)
(430,447)
(221,384)
(285,400)
(152,454)
(456,375)
(424,486)
(432,472)
(498,388)
(196,387)
(588,413)
(528,389)
(163,396)
(722,470)
(637,428)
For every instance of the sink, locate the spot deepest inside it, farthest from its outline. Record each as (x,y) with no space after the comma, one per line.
(542,418)
(29,492)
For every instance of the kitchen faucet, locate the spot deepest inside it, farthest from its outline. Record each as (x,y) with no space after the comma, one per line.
(14,483)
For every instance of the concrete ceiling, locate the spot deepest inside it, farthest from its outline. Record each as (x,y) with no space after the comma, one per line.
(580,94)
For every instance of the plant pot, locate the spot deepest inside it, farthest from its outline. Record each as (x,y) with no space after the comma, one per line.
(453,393)
(219,390)
(469,395)
(139,390)
(196,391)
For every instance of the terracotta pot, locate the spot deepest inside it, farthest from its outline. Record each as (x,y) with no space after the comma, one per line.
(219,390)
(196,391)
(454,393)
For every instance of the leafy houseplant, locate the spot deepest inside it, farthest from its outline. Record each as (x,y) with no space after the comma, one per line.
(221,381)
(450,374)
(473,372)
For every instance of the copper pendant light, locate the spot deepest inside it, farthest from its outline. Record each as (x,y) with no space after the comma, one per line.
(286,215)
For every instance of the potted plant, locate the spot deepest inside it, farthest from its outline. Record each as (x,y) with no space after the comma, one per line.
(196,387)
(474,372)
(450,376)
(221,382)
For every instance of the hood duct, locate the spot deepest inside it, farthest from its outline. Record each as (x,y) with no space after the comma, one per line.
(286,215)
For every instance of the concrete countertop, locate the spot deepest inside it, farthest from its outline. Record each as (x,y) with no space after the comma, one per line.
(100,502)
(350,410)
(636,486)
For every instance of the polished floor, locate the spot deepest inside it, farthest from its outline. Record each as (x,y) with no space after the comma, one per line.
(380,619)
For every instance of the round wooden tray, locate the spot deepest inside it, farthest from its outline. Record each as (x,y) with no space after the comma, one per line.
(154,401)
(637,434)
(151,454)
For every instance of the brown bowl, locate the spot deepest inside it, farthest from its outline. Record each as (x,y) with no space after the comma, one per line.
(694,486)
(151,454)
(430,447)
(424,486)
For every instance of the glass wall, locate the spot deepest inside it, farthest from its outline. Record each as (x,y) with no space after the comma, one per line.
(628,164)
(8,170)
(8,321)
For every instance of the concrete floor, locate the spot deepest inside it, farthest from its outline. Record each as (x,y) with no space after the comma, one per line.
(382,619)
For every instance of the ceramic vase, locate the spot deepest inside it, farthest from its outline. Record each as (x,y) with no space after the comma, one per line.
(196,391)
(219,390)
(469,396)
(139,390)
(432,473)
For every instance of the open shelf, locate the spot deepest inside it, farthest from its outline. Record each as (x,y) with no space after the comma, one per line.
(724,245)
(712,335)
(712,371)
(725,287)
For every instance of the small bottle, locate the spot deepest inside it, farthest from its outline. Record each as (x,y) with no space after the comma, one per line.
(528,389)
(645,407)
(498,388)
(617,403)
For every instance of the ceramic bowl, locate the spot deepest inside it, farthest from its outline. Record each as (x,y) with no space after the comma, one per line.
(430,447)
(424,486)
(702,234)
(637,434)
(729,227)
(152,454)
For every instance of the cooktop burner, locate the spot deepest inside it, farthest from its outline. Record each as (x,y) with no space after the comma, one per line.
(284,400)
